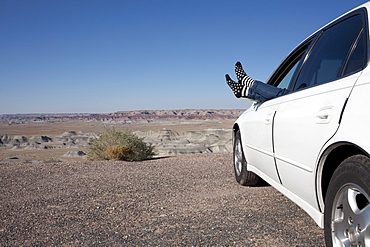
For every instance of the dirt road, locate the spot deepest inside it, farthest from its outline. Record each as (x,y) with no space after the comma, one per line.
(186,200)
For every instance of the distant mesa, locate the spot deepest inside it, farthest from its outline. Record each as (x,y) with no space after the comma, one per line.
(190,114)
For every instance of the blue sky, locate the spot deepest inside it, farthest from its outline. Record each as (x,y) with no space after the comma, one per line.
(81,56)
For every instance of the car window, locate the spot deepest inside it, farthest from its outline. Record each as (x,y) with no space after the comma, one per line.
(357,60)
(284,83)
(288,69)
(328,57)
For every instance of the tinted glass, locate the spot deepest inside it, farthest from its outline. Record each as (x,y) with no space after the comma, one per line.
(329,55)
(288,70)
(357,60)
(286,80)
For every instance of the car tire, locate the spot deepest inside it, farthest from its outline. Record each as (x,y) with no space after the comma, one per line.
(242,175)
(347,208)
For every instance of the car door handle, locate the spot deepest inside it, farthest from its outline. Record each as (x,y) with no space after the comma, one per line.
(268,119)
(324,115)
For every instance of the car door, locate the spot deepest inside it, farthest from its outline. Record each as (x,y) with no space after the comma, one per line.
(307,118)
(257,127)
(256,135)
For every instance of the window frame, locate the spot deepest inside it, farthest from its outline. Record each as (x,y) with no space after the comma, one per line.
(308,45)
(290,61)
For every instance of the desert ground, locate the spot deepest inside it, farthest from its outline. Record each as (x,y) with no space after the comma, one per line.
(189,199)
(182,200)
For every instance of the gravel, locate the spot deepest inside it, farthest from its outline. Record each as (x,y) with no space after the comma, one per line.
(184,200)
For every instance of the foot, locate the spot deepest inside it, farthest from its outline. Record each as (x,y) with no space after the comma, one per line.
(243,78)
(238,89)
(241,87)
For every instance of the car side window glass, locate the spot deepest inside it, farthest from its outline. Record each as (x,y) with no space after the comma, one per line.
(328,56)
(357,60)
(286,73)
(287,79)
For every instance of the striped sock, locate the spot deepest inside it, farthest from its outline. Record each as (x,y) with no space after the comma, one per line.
(240,90)
(243,78)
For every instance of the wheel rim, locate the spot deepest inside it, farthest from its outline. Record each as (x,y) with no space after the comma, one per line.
(238,158)
(351,217)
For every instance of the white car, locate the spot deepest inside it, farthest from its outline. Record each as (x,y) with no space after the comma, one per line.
(313,143)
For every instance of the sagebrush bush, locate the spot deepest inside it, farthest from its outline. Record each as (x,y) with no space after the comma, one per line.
(110,137)
(117,152)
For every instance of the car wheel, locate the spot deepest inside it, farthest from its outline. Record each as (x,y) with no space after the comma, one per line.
(242,176)
(347,209)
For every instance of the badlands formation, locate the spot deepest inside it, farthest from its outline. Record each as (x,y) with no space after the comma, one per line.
(171,132)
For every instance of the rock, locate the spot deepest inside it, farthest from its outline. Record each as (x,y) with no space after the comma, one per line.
(70,133)
(40,139)
(16,148)
(20,139)
(74,153)
(5,139)
(167,135)
(13,140)
(165,141)
(189,142)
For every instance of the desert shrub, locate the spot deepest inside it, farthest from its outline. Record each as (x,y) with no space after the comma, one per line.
(139,150)
(117,152)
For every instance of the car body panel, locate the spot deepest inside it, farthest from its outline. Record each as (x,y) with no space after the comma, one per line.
(258,144)
(315,214)
(356,117)
(310,115)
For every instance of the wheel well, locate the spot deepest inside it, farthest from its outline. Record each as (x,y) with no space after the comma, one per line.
(334,159)
(235,128)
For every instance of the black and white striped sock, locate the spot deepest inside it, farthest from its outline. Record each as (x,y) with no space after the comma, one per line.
(245,82)
(239,89)
(243,78)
